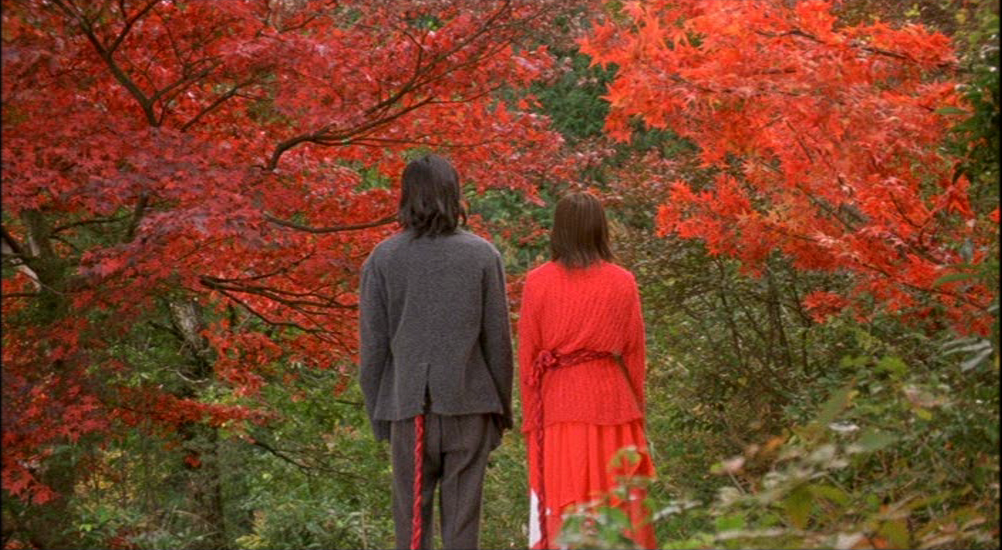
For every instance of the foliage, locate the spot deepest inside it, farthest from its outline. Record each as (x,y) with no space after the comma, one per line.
(740,362)
(172,180)
(190,187)
(574,101)
(316,480)
(825,140)
(856,475)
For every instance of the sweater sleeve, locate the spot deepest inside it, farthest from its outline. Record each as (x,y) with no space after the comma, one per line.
(495,336)
(375,343)
(529,343)
(634,352)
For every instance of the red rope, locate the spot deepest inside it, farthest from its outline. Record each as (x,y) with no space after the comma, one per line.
(541,489)
(547,360)
(418,467)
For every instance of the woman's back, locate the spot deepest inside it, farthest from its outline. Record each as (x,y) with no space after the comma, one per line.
(581,370)
(596,308)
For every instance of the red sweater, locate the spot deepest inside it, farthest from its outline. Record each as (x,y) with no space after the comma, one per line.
(595,308)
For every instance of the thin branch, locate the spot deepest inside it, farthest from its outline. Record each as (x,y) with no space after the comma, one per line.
(67,243)
(91,221)
(316,331)
(164,94)
(421,76)
(215,104)
(129,23)
(333,228)
(284,146)
(85,25)
(20,294)
(305,468)
(284,297)
(302,467)
(264,275)
(811,37)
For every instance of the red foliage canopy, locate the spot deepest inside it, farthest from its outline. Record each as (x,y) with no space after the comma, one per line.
(827,140)
(161,153)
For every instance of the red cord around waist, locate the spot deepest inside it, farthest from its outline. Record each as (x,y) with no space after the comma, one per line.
(545,361)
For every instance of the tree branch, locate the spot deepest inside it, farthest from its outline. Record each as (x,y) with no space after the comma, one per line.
(212,106)
(129,23)
(421,76)
(333,228)
(144,103)
(91,221)
(811,37)
(11,242)
(137,215)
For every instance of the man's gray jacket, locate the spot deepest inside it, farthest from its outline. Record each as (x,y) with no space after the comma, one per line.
(434,322)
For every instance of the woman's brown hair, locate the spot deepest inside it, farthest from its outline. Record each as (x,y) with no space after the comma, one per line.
(580,234)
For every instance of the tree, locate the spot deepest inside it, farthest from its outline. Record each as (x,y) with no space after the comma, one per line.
(825,140)
(214,173)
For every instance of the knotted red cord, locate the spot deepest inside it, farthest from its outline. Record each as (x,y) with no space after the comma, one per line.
(418,467)
(548,360)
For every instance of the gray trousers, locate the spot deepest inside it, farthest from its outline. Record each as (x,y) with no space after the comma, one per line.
(455,457)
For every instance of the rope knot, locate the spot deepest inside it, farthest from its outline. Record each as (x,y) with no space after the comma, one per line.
(544,360)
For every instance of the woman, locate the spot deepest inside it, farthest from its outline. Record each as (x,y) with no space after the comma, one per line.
(581,356)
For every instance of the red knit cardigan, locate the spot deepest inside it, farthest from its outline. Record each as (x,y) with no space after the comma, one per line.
(596,308)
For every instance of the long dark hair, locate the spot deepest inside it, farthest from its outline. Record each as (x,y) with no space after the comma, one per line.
(580,234)
(429,198)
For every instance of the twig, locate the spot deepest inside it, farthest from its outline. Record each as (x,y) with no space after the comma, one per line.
(333,228)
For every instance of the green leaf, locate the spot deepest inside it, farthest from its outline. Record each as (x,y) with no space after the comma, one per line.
(798,507)
(896,531)
(838,401)
(614,517)
(730,522)
(873,440)
(625,458)
(829,493)
(950,110)
(893,365)
(924,414)
(952,278)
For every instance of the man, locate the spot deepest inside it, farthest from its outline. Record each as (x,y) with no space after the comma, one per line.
(436,359)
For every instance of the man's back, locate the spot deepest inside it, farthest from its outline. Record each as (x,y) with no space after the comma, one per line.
(436,357)
(435,327)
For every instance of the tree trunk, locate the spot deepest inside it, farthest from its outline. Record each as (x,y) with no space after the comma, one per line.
(200,442)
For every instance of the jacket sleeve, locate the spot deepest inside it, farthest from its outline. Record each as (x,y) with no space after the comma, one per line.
(495,336)
(634,352)
(529,343)
(375,342)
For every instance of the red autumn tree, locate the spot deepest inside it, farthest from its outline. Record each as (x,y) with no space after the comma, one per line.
(825,138)
(208,170)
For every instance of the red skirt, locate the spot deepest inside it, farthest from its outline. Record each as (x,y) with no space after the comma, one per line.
(577,470)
